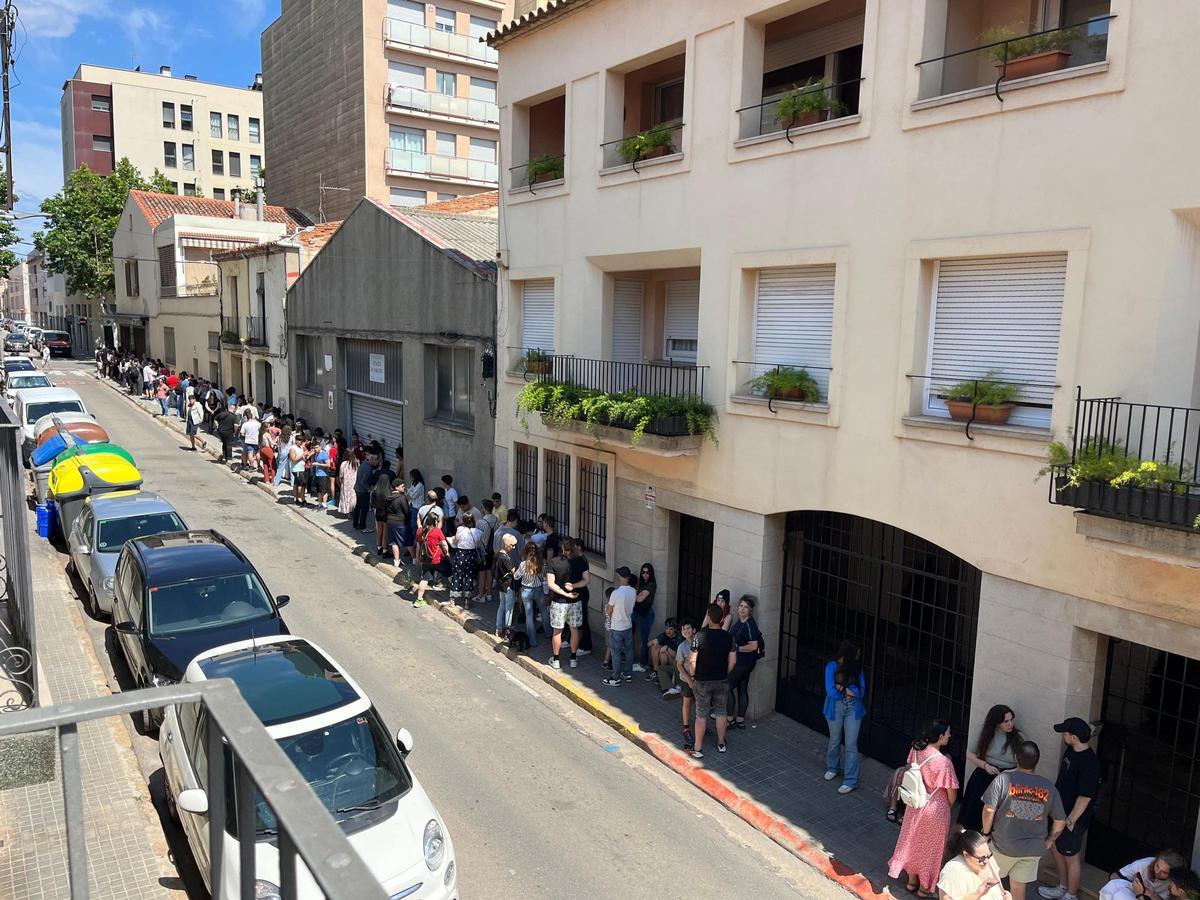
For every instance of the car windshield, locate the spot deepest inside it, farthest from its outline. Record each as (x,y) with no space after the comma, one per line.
(113,533)
(28,381)
(204,603)
(35,411)
(352,766)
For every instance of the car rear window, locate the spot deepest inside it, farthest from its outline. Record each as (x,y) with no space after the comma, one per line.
(115,532)
(56,336)
(19,365)
(35,411)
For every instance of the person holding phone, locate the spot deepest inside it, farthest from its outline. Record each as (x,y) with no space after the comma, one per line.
(971,873)
(1147,877)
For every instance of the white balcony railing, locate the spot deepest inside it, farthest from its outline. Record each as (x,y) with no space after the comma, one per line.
(453,168)
(460,46)
(444,105)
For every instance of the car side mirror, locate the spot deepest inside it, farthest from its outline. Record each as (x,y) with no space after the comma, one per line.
(283,600)
(404,740)
(193,801)
(127,628)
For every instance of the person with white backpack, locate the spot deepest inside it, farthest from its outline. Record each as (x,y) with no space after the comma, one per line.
(929,789)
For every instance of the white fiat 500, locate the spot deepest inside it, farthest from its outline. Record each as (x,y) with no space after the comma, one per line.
(327,726)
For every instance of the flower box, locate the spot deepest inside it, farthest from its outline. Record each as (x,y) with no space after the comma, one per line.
(1034,64)
(1160,506)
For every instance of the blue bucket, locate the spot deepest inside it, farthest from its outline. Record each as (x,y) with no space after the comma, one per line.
(44,519)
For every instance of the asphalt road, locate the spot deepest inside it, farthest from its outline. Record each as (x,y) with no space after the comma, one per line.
(542,800)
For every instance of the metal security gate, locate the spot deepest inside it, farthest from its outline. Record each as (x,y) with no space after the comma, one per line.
(525,484)
(1148,746)
(695,568)
(377,420)
(910,605)
(18,655)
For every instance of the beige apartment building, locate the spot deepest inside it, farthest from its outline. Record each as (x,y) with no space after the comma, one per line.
(206,138)
(898,200)
(407,106)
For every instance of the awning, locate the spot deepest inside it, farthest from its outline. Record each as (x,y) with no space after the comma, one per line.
(215,241)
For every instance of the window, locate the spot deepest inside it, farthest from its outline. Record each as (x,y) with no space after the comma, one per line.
(132,286)
(189,189)
(446,83)
(169,154)
(410,11)
(442,196)
(166,266)
(525,468)
(682,321)
(307,346)
(1002,314)
(406,75)
(218,162)
(444,20)
(168,115)
(214,124)
(593,506)
(185,117)
(235,165)
(214,343)
(447,145)
(101,103)
(407,197)
(558,490)
(169,346)
(793,321)
(480,26)
(218,193)
(101,143)
(449,373)
(483,89)
(255,131)
(234,128)
(189,157)
(255,164)
(537,315)
(483,149)
(668,101)
(410,139)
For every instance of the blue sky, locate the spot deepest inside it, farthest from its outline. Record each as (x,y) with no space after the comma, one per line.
(215,41)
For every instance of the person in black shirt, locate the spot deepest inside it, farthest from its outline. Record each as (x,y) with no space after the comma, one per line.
(710,665)
(580,576)
(1079,785)
(746,636)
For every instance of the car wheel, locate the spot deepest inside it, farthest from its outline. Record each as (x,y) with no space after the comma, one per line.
(145,723)
(93,605)
(71,570)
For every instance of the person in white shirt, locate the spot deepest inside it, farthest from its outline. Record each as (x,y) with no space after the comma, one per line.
(1149,877)
(971,874)
(46,358)
(431,506)
(464,561)
(451,500)
(195,416)
(620,611)
(149,377)
(250,432)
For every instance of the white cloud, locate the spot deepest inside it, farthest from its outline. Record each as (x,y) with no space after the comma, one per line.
(144,27)
(56,18)
(37,168)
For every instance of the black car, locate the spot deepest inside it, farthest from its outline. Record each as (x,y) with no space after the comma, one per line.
(16,343)
(178,594)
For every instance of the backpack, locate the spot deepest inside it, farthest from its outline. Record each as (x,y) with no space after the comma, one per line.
(912,786)
(422,546)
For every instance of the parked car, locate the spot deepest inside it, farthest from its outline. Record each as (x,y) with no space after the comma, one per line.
(18,364)
(99,534)
(31,405)
(59,342)
(35,337)
(20,381)
(328,727)
(16,342)
(178,594)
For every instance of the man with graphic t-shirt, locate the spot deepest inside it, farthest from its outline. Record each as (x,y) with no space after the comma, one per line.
(1079,785)
(1018,808)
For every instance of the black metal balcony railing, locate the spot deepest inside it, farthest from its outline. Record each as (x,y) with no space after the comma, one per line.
(536,171)
(789,383)
(817,103)
(663,139)
(230,330)
(1009,57)
(1137,461)
(663,379)
(256,331)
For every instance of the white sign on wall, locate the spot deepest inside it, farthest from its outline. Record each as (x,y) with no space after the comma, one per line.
(377,368)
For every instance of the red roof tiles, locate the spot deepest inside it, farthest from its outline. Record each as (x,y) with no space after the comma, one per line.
(157,208)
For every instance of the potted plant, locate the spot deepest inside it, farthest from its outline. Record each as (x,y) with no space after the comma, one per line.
(787,383)
(644,143)
(1020,55)
(806,105)
(986,399)
(543,168)
(538,362)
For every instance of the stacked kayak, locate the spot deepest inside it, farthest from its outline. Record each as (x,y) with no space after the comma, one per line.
(83,475)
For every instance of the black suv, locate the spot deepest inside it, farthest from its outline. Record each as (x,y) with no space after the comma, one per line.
(178,594)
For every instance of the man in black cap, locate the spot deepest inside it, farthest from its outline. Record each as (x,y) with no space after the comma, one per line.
(1078,784)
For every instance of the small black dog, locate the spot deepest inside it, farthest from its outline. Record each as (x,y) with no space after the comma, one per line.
(518,641)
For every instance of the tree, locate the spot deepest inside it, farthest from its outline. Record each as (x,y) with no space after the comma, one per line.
(8,231)
(82,219)
(161,184)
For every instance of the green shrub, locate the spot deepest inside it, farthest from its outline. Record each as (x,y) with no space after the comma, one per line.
(785,379)
(811,97)
(1021,44)
(544,165)
(1107,461)
(987,390)
(640,145)
(565,402)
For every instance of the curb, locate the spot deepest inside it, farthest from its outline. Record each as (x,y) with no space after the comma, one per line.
(754,814)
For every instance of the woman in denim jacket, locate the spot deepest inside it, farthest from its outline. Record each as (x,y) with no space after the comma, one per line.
(845,688)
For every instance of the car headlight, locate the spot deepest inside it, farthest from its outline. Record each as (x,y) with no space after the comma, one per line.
(265,890)
(108,583)
(435,844)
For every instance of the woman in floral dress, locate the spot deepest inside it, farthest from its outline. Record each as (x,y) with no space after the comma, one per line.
(922,842)
(346,476)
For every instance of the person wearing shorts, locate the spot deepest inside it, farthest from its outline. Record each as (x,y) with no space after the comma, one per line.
(565,609)
(683,653)
(1078,785)
(434,552)
(709,665)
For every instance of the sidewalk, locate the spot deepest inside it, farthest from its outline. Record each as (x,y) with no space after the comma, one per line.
(127,853)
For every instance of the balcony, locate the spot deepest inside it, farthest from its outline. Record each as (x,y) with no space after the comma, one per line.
(444,168)
(539,170)
(230,330)
(204,288)
(1137,462)
(813,103)
(657,407)
(420,39)
(442,106)
(1012,56)
(256,331)
(661,141)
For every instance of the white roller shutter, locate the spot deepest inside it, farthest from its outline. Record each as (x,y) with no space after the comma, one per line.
(537,315)
(406,75)
(808,45)
(793,320)
(407,11)
(628,302)
(377,420)
(683,320)
(1000,313)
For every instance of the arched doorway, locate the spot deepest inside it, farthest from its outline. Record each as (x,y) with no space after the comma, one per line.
(913,608)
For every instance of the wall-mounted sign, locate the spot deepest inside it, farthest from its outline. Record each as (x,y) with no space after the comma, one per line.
(330,400)
(651,496)
(377,368)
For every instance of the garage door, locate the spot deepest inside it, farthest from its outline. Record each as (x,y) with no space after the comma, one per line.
(377,420)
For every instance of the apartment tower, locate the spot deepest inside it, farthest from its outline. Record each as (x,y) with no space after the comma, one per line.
(407,105)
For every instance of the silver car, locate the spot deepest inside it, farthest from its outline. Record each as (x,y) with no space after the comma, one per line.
(106,522)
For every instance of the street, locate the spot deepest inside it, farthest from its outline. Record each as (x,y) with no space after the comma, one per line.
(542,800)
